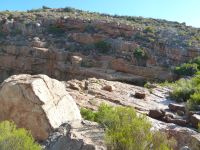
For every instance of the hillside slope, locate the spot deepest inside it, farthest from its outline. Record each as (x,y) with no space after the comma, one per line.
(84,44)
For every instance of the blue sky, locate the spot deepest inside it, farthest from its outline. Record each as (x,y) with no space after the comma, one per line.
(174,10)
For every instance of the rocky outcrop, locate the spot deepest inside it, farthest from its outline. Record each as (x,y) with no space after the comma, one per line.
(177,107)
(156,114)
(140,95)
(195,144)
(195,120)
(184,136)
(155,105)
(16,59)
(37,103)
(77,135)
(52,37)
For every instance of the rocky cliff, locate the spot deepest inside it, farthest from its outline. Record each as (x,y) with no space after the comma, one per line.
(67,43)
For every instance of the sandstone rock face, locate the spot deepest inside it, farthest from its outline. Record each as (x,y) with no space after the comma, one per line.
(37,103)
(23,59)
(23,39)
(77,135)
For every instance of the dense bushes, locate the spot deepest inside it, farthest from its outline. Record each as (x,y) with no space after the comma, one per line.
(182,89)
(188,69)
(187,90)
(15,139)
(127,130)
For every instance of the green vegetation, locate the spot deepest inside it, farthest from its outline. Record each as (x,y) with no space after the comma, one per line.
(187,90)
(127,130)
(12,138)
(149,29)
(103,46)
(69,9)
(139,53)
(182,89)
(88,114)
(188,69)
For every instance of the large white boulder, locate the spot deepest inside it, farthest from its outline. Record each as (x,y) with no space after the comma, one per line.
(37,103)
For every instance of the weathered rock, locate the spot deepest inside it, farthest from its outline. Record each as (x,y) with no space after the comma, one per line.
(170,119)
(180,122)
(85,38)
(182,135)
(169,115)
(109,88)
(195,120)
(77,135)
(156,114)
(180,113)
(74,86)
(195,144)
(140,95)
(175,107)
(37,103)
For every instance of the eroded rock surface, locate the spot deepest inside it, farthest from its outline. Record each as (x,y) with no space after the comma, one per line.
(77,135)
(37,103)
(123,94)
(155,103)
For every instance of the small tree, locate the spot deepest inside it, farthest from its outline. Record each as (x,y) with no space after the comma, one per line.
(127,130)
(12,138)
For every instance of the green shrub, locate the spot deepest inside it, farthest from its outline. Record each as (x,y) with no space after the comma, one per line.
(139,53)
(149,29)
(186,69)
(127,130)
(12,138)
(182,89)
(45,7)
(69,9)
(103,46)
(196,61)
(88,114)
(187,90)
(194,101)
